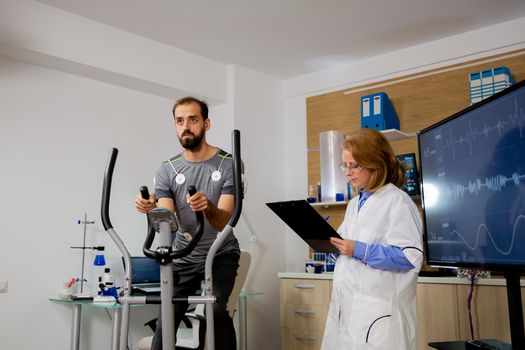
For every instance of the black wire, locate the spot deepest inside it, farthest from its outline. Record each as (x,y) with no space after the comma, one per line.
(371,325)
(410,247)
(469,301)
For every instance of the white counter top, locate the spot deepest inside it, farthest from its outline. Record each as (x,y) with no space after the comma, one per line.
(495,281)
(304,275)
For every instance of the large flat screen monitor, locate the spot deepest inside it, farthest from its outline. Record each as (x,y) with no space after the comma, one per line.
(473,192)
(473,178)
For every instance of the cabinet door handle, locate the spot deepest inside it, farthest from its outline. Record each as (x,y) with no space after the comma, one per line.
(304,286)
(304,337)
(304,311)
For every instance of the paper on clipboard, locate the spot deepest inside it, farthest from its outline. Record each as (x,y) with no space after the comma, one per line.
(304,220)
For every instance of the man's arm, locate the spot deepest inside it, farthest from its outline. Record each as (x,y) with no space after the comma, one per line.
(217,215)
(167,203)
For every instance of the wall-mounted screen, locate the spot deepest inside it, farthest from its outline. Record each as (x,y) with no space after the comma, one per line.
(411,182)
(473,184)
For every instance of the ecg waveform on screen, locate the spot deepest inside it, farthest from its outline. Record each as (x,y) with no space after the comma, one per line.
(494,184)
(489,234)
(466,138)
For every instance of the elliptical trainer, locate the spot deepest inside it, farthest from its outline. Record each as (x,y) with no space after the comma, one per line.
(163,221)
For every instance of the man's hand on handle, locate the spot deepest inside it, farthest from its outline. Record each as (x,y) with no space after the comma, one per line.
(197,202)
(145,205)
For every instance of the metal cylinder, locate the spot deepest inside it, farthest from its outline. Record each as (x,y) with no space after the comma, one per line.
(332,178)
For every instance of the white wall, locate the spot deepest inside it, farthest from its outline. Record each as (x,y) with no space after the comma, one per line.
(296,173)
(256,99)
(460,48)
(56,132)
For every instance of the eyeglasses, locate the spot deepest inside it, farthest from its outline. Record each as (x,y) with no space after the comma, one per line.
(352,166)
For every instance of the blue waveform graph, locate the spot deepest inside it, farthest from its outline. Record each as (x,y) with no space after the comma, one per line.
(454,139)
(494,184)
(493,237)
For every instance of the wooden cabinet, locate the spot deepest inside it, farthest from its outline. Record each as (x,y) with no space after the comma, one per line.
(304,308)
(441,309)
(437,313)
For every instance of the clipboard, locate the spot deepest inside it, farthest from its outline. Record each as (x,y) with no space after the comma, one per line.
(304,220)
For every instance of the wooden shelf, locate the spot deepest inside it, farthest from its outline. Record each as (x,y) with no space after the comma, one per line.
(328,204)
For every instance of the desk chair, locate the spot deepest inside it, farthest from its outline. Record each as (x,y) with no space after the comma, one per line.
(191,337)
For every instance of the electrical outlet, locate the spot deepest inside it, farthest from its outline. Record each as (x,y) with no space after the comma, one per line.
(3,286)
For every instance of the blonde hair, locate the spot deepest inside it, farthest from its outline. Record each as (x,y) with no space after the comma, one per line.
(372,151)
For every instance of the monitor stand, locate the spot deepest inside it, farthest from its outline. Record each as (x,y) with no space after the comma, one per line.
(484,344)
(517,336)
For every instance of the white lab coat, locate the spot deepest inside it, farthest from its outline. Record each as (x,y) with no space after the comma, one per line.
(371,308)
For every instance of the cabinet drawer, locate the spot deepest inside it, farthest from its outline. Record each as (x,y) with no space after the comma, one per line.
(294,339)
(305,291)
(305,317)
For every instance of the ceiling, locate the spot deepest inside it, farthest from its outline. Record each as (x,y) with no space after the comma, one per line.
(288,38)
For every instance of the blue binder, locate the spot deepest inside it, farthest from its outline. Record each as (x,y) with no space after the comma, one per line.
(488,82)
(378,113)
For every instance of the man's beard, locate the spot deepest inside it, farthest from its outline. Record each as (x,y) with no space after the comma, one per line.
(191,143)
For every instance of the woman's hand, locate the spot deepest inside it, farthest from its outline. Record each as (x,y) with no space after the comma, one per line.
(345,246)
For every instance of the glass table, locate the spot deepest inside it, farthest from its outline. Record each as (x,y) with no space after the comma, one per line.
(117,310)
(243,318)
(77,311)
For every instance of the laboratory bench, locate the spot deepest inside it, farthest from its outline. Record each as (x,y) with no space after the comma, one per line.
(441,309)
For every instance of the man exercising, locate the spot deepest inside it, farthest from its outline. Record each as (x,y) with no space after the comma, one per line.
(210,169)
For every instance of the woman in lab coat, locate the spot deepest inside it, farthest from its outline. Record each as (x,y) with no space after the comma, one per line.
(373,302)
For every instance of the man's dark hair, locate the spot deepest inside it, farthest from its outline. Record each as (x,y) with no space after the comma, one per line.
(190,99)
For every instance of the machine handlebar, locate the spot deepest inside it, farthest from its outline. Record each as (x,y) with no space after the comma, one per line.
(144,192)
(237,178)
(106,189)
(178,253)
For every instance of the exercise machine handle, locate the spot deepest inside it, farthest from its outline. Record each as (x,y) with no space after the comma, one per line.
(173,254)
(198,231)
(192,190)
(106,189)
(144,192)
(237,178)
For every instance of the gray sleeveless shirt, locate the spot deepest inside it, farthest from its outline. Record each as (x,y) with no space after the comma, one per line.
(198,174)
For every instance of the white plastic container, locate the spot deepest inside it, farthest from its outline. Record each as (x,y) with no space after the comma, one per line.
(332,178)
